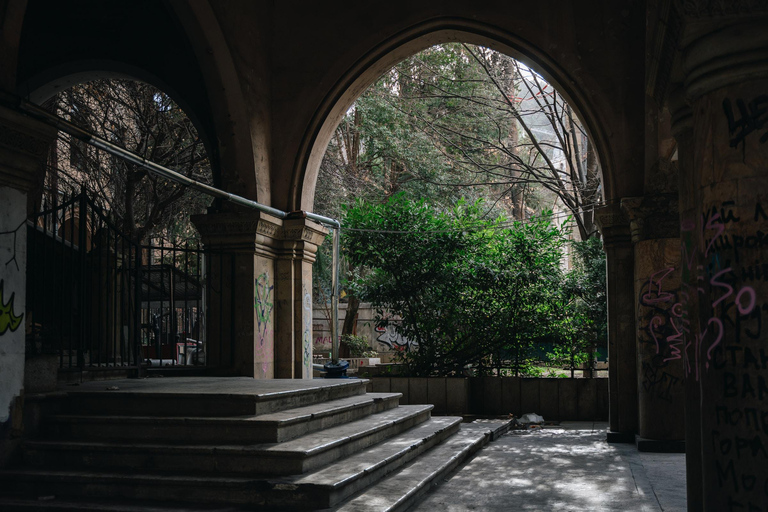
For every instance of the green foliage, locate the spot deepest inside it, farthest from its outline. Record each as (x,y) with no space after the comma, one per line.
(359,346)
(469,291)
(581,322)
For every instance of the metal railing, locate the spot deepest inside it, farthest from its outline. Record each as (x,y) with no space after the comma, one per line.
(83,287)
(101,302)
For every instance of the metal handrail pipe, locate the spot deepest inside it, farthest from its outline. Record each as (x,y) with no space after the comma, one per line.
(89,138)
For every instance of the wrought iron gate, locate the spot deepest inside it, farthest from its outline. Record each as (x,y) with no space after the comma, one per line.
(102,302)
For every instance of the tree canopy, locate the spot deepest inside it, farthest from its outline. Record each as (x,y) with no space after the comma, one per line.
(144,120)
(470,292)
(456,121)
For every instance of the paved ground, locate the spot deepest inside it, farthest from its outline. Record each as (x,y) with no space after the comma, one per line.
(565,468)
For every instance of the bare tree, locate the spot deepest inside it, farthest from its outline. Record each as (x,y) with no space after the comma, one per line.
(142,119)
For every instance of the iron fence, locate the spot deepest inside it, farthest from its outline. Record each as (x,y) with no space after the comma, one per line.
(100,301)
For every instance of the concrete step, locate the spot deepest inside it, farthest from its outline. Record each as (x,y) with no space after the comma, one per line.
(401,490)
(336,482)
(205,396)
(55,504)
(291,457)
(273,427)
(322,488)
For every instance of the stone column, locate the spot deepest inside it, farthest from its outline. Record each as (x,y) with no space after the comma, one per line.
(24,146)
(300,240)
(682,129)
(726,79)
(654,223)
(259,293)
(240,291)
(622,357)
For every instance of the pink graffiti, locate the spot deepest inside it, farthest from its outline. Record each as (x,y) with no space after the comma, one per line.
(752,300)
(661,296)
(714,282)
(719,324)
(719,227)
(677,338)
(653,323)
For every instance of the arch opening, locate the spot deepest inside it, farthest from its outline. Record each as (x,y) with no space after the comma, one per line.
(130,279)
(518,126)
(377,62)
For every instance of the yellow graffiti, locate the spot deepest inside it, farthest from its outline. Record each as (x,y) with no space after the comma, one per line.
(7,319)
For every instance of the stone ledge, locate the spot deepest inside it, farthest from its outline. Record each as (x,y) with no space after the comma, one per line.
(659,446)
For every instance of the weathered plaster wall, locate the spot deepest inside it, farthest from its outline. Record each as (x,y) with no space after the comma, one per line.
(13,266)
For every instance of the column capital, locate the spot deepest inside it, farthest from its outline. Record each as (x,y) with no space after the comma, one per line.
(294,237)
(613,224)
(680,111)
(250,231)
(652,216)
(726,43)
(24,144)
(301,237)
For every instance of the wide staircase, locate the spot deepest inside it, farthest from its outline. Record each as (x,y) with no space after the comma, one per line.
(231,444)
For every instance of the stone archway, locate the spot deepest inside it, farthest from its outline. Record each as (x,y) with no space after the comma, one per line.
(365,72)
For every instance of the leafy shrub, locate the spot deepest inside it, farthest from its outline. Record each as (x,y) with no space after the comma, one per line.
(358,346)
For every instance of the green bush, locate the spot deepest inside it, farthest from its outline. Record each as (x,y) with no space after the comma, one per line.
(358,346)
(469,291)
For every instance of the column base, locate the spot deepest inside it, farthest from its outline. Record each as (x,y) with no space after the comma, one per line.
(620,437)
(659,446)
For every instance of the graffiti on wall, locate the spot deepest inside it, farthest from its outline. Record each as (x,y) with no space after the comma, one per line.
(727,303)
(753,116)
(392,339)
(9,321)
(307,334)
(728,280)
(263,303)
(660,316)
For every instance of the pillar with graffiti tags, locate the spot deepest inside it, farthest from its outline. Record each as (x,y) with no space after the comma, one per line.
(300,239)
(726,84)
(661,393)
(259,293)
(240,291)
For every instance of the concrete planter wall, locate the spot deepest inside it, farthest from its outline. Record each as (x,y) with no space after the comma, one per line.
(555,399)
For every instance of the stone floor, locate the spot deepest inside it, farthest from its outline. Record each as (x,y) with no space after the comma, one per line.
(564,468)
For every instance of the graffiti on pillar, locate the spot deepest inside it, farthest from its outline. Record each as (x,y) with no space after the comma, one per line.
(658,382)
(389,336)
(9,321)
(728,292)
(263,303)
(729,305)
(753,117)
(307,334)
(661,316)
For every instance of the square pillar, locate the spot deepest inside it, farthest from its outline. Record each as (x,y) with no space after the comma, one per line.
(300,240)
(240,291)
(259,293)
(654,224)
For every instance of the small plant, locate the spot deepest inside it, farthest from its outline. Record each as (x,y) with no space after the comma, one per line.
(358,346)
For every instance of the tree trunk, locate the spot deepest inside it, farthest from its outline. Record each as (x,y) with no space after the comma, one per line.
(350,320)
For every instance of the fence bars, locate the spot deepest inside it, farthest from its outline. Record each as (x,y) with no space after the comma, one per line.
(101,302)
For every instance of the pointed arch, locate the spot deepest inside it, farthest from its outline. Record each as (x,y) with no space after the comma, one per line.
(372,65)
